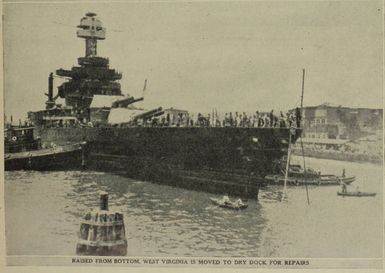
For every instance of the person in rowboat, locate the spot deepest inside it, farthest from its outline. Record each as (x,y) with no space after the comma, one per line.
(226,199)
(239,202)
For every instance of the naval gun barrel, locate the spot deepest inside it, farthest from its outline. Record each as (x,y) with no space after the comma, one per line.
(159,113)
(125,102)
(149,114)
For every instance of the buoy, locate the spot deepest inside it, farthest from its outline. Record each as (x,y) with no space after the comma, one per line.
(102,232)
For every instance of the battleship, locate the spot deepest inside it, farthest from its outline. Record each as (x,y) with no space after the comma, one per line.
(157,145)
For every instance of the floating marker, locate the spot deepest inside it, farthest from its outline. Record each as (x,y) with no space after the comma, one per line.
(102,232)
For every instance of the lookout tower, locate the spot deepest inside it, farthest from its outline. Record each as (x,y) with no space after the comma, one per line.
(90,29)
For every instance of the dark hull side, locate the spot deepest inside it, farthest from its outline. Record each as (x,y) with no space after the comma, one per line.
(220,160)
(315,181)
(55,161)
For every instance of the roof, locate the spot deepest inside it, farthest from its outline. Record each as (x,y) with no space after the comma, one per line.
(348,108)
(324,141)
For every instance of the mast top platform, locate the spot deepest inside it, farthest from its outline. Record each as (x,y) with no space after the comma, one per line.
(91,28)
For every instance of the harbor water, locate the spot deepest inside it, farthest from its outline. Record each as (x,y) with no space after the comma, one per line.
(43,211)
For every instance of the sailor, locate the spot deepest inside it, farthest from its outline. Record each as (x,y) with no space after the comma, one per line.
(288,119)
(257,117)
(239,121)
(281,121)
(239,202)
(266,121)
(343,172)
(168,119)
(271,116)
(226,120)
(226,199)
(275,124)
(260,122)
(253,122)
(199,120)
(344,188)
(217,122)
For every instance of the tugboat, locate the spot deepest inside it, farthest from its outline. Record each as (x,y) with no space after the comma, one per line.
(298,176)
(25,152)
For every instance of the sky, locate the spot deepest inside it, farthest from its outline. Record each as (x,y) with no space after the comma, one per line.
(230,55)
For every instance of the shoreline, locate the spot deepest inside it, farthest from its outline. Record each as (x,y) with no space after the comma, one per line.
(340,156)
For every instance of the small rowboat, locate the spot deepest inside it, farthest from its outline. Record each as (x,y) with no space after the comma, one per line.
(356,194)
(228,204)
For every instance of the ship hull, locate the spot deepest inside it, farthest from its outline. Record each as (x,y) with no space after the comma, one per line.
(232,161)
(69,157)
(148,169)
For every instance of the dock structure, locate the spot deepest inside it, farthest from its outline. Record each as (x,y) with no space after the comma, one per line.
(102,232)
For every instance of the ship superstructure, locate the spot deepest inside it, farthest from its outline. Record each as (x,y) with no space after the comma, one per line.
(92,77)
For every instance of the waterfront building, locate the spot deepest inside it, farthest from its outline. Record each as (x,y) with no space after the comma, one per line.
(327,121)
(339,132)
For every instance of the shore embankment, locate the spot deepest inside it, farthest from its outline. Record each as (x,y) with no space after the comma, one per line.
(340,155)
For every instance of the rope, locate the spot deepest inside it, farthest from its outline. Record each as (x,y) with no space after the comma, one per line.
(303,152)
(287,168)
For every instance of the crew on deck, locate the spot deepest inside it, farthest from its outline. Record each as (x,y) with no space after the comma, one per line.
(230,119)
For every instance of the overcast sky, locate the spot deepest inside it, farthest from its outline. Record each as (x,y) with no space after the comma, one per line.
(243,56)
